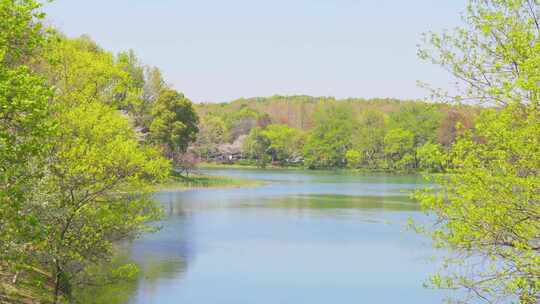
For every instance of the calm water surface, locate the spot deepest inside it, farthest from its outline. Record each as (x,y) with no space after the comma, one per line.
(303,237)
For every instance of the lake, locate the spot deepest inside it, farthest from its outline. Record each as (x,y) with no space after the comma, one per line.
(302,237)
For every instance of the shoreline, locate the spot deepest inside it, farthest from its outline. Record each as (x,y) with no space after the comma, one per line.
(203,181)
(218,166)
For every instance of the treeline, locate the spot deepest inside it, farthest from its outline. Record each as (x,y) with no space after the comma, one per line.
(83,133)
(375,134)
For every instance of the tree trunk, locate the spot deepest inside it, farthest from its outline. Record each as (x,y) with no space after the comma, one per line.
(57,277)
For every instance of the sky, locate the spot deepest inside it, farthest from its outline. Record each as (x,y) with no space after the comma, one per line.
(219,50)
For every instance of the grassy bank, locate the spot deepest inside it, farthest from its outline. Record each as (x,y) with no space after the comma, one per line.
(207,165)
(197,181)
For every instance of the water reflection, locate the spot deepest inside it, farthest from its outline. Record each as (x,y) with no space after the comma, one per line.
(164,255)
(306,237)
(332,201)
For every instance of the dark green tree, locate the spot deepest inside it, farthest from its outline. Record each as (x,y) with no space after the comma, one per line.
(174,124)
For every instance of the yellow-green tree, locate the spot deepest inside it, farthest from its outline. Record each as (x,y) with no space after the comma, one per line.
(399,149)
(256,146)
(368,138)
(285,142)
(25,130)
(328,142)
(73,172)
(354,159)
(94,191)
(81,71)
(488,205)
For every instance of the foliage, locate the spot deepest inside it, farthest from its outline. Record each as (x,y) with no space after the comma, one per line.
(494,57)
(487,205)
(431,157)
(285,143)
(84,204)
(242,121)
(73,170)
(368,137)
(363,128)
(328,142)
(82,72)
(354,159)
(256,146)
(24,131)
(399,149)
(21,31)
(420,119)
(174,122)
(212,132)
(276,143)
(25,128)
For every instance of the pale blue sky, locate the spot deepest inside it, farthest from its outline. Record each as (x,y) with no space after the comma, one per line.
(218,50)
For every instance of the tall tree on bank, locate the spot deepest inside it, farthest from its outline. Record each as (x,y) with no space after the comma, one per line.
(174,124)
(488,206)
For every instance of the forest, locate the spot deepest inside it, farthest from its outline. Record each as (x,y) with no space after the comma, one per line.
(87,134)
(326,133)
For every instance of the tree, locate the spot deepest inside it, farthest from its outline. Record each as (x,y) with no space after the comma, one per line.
(144,85)
(455,121)
(174,124)
(212,132)
(256,147)
(25,128)
(21,31)
(241,122)
(489,209)
(328,142)
(487,206)
(422,120)
(82,72)
(368,137)
(399,149)
(94,192)
(153,85)
(493,57)
(431,157)
(130,64)
(354,159)
(285,142)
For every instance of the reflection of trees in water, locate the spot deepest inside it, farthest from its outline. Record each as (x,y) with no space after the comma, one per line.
(122,291)
(167,253)
(161,255)
(336,202)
